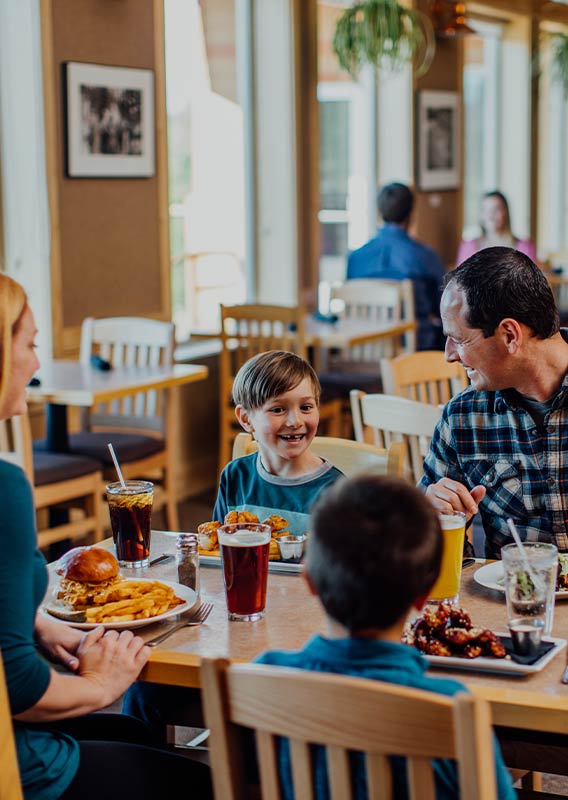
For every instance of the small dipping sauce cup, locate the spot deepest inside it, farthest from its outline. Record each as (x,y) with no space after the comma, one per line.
(130,509)
(244,556)
(291,548)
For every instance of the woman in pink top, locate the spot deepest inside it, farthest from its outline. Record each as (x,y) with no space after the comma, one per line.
(496,230)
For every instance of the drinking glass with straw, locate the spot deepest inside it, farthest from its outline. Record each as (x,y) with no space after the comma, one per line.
(530,570)
(130,508)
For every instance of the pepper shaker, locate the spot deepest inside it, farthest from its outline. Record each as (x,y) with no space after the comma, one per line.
(187,560)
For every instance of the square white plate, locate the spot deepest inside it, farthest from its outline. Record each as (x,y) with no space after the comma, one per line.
(499,665)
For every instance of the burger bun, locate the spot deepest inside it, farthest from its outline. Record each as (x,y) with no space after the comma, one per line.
(88,565)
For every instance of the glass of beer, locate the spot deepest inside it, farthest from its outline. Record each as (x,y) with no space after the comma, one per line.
(447,585)
(130,508)
(244,555)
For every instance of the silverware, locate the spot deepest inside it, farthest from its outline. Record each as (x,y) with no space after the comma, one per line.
(188,619)
(468,562)
(159,559)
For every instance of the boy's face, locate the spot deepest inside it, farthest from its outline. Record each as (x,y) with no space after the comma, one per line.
(284,426)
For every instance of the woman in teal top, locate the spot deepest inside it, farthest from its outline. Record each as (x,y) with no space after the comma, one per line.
(114,760)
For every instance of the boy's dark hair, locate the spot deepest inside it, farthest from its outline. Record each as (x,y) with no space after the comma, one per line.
(375,547)
(271,374)
(500,282)
(395,202)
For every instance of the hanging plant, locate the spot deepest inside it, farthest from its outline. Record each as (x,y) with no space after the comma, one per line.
(560,59)
(385,34)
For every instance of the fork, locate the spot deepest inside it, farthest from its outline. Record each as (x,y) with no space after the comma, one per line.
(197,618)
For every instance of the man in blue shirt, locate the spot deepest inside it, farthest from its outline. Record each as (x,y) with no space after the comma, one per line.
(393,255)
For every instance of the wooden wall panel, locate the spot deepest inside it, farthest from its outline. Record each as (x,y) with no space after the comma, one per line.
(110,246)
(437,219)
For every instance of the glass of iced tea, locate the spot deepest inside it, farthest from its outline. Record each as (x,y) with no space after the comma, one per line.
(244,555)
(447,584)
(130,508)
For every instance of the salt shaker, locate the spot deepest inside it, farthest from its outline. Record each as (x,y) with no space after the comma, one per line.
(187,560)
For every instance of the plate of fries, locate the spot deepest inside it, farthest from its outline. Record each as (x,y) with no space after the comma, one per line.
(129,603)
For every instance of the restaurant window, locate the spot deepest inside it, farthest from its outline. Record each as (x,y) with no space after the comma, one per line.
(552,162)
(481,86)
(365,141)
(497,117)
(206,162)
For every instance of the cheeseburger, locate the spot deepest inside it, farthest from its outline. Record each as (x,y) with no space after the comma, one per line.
(85,573)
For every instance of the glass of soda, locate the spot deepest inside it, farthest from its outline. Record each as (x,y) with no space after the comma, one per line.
(130,508)
(244,555)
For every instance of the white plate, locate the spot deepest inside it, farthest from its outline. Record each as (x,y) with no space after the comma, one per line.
(187,595)
(502,665)
(273,566)
(490,574)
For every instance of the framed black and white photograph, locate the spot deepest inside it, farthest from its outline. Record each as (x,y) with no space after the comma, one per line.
(438,140)
(109,121)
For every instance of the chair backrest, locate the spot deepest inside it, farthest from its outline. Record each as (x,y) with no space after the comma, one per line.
(129,342)
(249,329)
(381,419)
(349,457)
(16,443)
(10,783)
(380,300)
(343,714)
(424,376)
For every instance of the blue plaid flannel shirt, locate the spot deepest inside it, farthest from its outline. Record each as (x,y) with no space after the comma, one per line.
(486,438)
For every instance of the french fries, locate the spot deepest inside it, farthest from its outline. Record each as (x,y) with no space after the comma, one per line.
(130,599)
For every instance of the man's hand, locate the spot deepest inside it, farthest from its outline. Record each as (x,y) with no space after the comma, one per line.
(448,496)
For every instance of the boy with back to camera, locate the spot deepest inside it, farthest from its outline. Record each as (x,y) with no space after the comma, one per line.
(375,552)
(276,396)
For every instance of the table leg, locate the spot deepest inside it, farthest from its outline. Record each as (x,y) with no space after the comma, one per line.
(57,441)
(57,436)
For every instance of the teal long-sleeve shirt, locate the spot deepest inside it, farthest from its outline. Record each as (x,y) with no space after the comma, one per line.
(47,760)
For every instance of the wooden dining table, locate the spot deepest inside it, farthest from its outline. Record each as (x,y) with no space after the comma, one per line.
(71,383)
(537,701)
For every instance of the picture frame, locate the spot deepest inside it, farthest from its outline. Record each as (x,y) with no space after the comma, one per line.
(109,121)
(439,142)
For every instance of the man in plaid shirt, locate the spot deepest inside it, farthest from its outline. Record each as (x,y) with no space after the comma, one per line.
(501,446)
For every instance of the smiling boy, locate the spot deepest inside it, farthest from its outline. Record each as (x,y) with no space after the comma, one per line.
(276,396)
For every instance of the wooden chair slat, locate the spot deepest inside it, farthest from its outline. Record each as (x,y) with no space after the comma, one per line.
(268,766)
(339,773)
(379,777)
(302,777)
(420,779)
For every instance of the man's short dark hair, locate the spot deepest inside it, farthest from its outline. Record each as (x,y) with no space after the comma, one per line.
(500,282)
(375,548)
(395,202)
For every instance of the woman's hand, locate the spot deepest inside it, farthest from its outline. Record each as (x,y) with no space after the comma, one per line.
(111,661)
(58,640)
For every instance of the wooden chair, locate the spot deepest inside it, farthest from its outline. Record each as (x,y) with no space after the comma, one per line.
(343,714)
(10,783)
(425,376)
(381,419)
(246,331)
(349,457)
(58,479)
(382,301)
(141,426)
